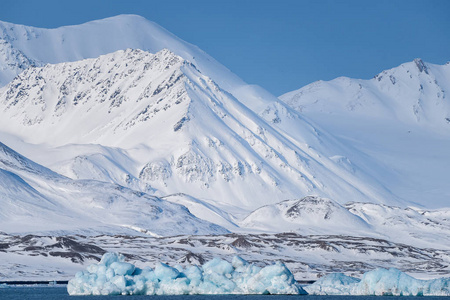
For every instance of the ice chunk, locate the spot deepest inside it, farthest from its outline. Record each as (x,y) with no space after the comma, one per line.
(379,282)
(113,276)
(333,284)
(395,282)
(274,279)
(110,257)
(165,272)
(122,268)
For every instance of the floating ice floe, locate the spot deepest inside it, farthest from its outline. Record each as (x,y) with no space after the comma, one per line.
(113,276)
(379,282)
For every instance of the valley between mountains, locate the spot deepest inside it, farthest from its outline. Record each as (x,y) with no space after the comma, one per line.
(136,141)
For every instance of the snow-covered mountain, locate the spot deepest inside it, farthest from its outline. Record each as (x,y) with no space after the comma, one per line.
(35,199)
(320,216)
(95,38)
(130,130)
(414,93)
(164,127)
(12,62)
(400,118)
(426,228)
(309,215)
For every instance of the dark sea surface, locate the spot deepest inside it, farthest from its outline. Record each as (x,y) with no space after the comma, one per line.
(60,292)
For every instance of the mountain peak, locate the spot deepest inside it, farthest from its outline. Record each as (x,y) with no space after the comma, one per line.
(421,65)
(125,88)
(402,108)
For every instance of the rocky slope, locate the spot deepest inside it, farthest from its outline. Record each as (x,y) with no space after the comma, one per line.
(308,257)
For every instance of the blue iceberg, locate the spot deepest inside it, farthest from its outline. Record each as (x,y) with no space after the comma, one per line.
(333,284)
(113,276)
(379,282)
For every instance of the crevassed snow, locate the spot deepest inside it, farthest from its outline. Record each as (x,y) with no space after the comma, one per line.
(113,276)
(379,282)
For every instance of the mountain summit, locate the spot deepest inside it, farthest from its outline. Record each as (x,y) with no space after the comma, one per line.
(401,118)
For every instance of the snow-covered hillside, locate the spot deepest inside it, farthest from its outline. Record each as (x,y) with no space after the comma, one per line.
(163,127)
(401,118)
(35,199)
(414,93)
(132,133)
(310,215)
(95,38)
(12,62)
(38,257)
(315,215)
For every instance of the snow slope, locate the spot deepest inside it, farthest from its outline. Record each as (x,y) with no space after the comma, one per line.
(41,257)
(310,215)
(35,199)
(400,118)
(321,216)
(410,225)
(95,38)
(12,62)
(154,122)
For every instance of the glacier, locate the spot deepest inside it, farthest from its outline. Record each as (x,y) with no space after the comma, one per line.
(113,276)
(379,282)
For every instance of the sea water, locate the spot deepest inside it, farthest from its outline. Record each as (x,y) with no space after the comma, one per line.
(60,292)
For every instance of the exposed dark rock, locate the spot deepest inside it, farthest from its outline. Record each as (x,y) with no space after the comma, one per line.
(74,257)
(241,242)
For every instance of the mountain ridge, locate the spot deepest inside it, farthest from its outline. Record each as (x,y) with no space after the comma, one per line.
(180,131)
(402,123)
(35,199)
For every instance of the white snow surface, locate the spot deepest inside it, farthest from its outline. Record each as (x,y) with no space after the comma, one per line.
(35,199)
(95,38)
(155,123)
(379,282)
(129,110)
(113,276)
(400,118)
(38,200)
(309,215)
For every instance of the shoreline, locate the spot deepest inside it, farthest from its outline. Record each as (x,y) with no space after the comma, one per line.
(65,282)
(37,282)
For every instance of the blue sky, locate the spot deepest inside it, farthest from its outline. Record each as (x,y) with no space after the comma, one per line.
(281,45)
